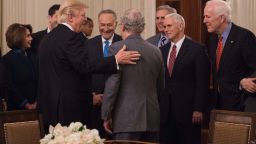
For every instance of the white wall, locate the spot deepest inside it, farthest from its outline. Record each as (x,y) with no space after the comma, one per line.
(244,13)
(35,12)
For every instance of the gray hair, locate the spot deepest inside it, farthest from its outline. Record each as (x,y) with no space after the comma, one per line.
(168,8)
(133,21)
(108,11)
(177,18)
(221,8)
(69,7)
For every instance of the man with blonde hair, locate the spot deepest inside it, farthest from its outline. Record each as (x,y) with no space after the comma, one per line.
(233,55)
(63,63)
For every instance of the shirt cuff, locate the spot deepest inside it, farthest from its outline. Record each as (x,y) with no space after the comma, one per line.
(117,65)
(23,103)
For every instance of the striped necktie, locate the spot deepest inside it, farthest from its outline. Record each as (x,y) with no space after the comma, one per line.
(163,41)
(172,58)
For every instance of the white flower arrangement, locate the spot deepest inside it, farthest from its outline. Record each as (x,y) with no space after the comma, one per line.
(75,133)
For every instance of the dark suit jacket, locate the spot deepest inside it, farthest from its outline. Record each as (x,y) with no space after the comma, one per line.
(63,60)
(22,78)
(155,39)
(238,61)
(2,80)
(130,97)
(95,50)
(250,99)
(187,88)
(37,37)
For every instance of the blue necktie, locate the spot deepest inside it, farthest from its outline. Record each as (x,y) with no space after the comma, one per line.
(105,51)
(163,41)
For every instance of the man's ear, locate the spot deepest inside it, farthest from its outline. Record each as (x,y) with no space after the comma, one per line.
(122,28)
(70,18)
(48,17)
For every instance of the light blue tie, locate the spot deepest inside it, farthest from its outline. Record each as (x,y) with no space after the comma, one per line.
(105,51)
(163,41)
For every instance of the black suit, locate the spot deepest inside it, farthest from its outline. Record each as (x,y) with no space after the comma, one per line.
(238,61)
(2,80)
(185,92)
(37,37)
(63,62)
(21,71)
(95,50)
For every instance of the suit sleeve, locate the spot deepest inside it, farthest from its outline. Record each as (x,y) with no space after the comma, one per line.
(110,92)
(202,67)
(161,76)
(77,53)
(15,96)
(249,51)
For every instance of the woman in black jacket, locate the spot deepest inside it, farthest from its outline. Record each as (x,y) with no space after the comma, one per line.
(21,68)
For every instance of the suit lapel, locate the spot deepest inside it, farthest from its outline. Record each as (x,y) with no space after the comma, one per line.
(165,51)
(227,48)
(182,52)
(116,38)
(99,46)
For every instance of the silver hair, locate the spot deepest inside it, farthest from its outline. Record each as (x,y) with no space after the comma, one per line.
(108,11)
(221,8)
(168,8)
(178,18)
(133,21)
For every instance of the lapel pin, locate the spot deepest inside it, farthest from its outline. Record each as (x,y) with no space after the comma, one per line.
(231,41)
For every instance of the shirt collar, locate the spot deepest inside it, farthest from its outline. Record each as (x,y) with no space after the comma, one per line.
(110,40)
(48,30)
(69,26)
(179,43)
(226,33)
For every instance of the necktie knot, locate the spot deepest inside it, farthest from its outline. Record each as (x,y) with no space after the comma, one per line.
(163,41)
(106,42)
(105,51)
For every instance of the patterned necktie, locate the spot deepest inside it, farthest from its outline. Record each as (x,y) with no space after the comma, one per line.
(163,41)
(105,51)
(219,52)
(172,59)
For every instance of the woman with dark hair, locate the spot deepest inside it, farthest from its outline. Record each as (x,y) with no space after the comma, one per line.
(21,67)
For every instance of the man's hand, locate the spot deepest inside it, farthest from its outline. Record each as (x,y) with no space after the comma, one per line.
(127,57)
(29,106)
(97,98)
(248,84)
(108,126)
(197,117)
(34,105)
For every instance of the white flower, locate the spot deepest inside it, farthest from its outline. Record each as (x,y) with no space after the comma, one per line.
(75,126)
(75,133)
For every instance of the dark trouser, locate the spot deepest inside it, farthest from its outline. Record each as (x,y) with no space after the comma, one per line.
(173,132)
(138,136)
(97,122)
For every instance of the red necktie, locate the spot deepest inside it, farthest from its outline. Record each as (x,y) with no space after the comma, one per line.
(219,52)
(172,59)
